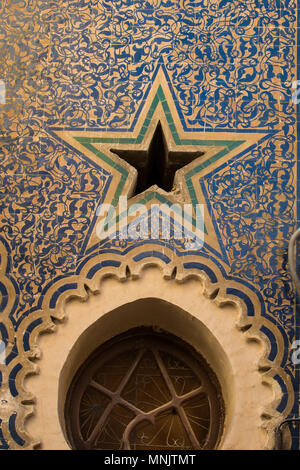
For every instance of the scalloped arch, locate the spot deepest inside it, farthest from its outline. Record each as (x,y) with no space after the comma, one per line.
(87,285)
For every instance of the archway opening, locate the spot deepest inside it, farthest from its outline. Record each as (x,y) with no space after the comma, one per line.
(183,310)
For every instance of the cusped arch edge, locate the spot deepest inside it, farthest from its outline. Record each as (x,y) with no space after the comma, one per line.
(83,285)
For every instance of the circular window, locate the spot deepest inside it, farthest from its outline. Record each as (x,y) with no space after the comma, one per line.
(144,390)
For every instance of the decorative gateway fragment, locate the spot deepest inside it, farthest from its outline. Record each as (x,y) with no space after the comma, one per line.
(168,102)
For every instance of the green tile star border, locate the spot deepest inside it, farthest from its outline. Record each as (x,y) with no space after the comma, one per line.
(189,181)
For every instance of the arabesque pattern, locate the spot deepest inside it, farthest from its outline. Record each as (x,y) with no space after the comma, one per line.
(89,66)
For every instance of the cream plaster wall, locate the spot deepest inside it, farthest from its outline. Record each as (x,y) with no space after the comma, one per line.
(181,309)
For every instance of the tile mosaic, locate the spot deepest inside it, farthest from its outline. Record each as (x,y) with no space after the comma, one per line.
(81,71)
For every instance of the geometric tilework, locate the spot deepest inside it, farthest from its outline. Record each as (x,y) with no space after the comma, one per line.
(90,66)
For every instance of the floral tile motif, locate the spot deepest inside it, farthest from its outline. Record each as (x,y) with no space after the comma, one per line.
(87,69)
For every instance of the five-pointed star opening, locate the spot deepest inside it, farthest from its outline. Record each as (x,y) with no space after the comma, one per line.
(157,165)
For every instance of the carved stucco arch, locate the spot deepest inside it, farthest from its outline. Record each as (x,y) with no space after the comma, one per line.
(128,275)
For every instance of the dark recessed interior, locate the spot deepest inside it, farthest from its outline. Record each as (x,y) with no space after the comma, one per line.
(157,165)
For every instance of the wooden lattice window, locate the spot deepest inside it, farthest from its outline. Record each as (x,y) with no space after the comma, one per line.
(144,390)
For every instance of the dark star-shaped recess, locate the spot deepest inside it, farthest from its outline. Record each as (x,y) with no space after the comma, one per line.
(157,148)
(157,165)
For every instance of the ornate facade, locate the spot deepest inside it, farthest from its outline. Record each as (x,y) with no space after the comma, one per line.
(88,82)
